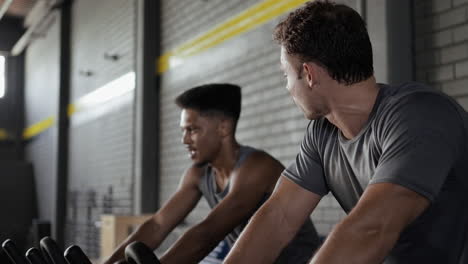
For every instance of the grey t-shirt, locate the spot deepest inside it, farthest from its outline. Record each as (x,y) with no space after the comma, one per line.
(415,137)
(299,250)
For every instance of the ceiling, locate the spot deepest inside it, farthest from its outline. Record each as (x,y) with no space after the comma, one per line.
(19,8)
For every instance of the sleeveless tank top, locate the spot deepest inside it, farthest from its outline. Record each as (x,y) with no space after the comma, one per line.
(209,188)
(299,250)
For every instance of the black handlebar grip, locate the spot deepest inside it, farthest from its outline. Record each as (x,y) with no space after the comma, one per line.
(13,252)
(74,255)
(139,253)
(34,256)
(52,251)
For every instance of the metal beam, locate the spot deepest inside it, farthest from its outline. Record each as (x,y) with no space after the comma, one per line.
(40,15)
(63,121)
(5,7)
(146,145)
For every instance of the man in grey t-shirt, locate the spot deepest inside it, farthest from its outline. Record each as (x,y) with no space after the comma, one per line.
(395,157)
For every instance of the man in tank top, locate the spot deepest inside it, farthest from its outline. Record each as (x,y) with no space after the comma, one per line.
(394,157)
(235,180)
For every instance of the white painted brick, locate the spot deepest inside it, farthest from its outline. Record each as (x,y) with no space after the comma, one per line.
(463,101)
(317,214)
(429,37)
(455,53)
(322,228)
(456,88)
(436,6)
(443,73)
(429,58)
(461,69)
(439,39)
(328,201)
(42,71)
(453,17)
(101,150)
(459,2)
(332,215)
(91,37)
(460,33)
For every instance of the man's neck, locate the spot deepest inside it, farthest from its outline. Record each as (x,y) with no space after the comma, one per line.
(350,109)
(227,158)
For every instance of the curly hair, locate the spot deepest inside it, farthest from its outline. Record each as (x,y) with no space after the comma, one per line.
(331,35)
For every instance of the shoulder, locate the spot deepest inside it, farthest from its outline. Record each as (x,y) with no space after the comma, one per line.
(414,101)
(415,94)
(418,110)
(194,174)
(260,165)
(260,158)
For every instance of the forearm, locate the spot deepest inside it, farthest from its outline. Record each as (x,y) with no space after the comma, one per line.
(263,239)
(193,245)
(149,233)
(353,242)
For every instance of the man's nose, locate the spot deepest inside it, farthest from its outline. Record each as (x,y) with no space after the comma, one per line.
(185,138)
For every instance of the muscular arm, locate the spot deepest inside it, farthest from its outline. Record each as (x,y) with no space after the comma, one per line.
(274,225)
(253,180)
(154,230)
(372,228)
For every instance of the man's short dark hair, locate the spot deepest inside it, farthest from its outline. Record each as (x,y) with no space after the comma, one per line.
(331,35)
(221,98)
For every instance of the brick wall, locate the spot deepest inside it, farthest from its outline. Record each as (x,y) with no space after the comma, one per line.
(441,46)
(41,102)
(101,137)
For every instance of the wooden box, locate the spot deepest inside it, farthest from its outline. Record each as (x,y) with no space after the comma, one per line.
(115,228)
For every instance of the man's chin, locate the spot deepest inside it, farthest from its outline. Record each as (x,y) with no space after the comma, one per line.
(310,117)
(200,164)
(313,116)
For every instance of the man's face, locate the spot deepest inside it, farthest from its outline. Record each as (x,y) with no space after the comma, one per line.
(201,136)
(306,97)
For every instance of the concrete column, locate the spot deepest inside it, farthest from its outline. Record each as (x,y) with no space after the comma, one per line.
(389,25)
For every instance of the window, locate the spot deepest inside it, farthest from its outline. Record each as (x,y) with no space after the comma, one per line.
(2,76)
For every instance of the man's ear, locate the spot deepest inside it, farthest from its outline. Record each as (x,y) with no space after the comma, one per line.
(225,127)
(310,73)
